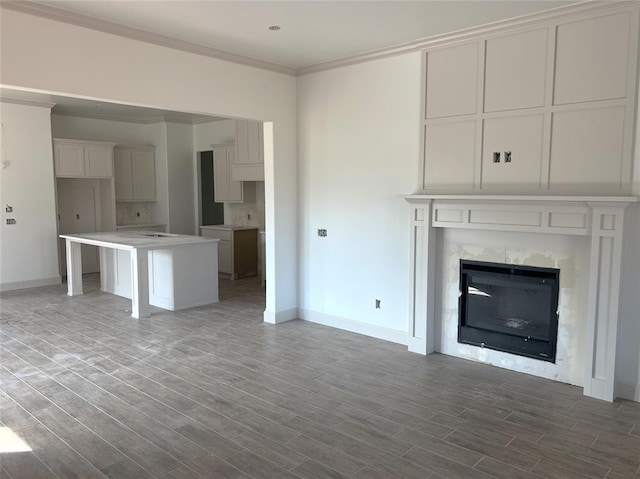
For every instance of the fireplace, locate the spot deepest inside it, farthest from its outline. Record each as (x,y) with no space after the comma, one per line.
(593,223)
(509,308)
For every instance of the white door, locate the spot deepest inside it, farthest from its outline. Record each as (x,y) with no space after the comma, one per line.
(78,206)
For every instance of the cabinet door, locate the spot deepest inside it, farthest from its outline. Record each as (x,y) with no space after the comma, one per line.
(521,136)
(123,175)
(234,193)
(224,257)
(98,161)
(69,160)
(225,190)
(220,175)
(249,143)
(143,165)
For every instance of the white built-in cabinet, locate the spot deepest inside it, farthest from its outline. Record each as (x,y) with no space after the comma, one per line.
(226,190)
(249,160)
(82,159)
(135,173)
(548,106)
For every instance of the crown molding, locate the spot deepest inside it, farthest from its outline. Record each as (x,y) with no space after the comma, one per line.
(18,101)
(60,15)
(127,119)
(468,34)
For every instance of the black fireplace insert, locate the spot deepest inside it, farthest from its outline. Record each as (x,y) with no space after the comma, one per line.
(509,308)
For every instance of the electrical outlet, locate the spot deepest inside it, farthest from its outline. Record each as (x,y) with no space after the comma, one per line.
(507,157)
(8,209)
(496,157)
(378,303)
(137,213)
(11,221)
(322,232)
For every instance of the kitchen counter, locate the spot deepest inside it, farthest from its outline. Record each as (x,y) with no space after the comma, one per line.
(228,227)
(169,271)
(148,226)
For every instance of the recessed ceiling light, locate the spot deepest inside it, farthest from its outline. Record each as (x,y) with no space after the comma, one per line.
(274,27)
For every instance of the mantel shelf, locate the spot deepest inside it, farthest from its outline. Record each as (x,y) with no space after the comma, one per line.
(419,198)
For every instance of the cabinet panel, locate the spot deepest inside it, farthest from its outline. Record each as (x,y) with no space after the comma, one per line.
(98,162)
(249,142)
(225,189)
(515,72)
(452,81)
(143,166)
(587,148)
(224,257)
(123,175)
(69,160)
(591,59)
(450,155)
(522,137)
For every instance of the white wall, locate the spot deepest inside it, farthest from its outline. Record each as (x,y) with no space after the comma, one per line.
(213,133)
(45,55)
(29,252)
(358,137)
(181,167)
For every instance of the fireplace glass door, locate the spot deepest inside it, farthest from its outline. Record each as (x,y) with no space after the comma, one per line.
(509,308)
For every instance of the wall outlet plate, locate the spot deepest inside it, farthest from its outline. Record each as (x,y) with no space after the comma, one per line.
(11,221)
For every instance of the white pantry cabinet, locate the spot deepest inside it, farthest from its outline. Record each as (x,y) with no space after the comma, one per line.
(82,159)
(549,106)
(226,190)
(135,174)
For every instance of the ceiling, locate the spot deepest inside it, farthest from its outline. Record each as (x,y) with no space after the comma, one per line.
(311,33)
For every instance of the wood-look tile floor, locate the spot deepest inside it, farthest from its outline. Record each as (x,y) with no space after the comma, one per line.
(213,392)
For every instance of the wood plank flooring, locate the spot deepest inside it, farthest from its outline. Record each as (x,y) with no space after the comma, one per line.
(213,392)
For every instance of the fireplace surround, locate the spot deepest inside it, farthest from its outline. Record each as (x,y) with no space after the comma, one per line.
(598,218)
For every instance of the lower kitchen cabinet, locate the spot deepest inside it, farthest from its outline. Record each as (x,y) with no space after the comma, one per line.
(237,249)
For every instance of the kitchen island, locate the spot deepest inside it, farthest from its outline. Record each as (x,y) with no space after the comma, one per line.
(169,271)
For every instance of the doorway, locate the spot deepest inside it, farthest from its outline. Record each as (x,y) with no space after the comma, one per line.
(212,212)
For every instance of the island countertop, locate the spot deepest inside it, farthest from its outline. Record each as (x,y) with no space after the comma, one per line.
(136,239)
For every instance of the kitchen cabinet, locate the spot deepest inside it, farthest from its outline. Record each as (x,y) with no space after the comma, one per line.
(135,174)
(237,249)
(226,190)
(249,160)
(82,159)
(550,107)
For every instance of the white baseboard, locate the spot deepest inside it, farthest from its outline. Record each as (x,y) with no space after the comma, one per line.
(628,390)
(359,327)
(274,317)
(33,283)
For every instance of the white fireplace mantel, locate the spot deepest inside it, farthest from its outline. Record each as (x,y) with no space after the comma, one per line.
(599,217)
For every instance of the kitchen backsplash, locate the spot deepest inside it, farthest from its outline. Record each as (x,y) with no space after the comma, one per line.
(133,214)
(247,214)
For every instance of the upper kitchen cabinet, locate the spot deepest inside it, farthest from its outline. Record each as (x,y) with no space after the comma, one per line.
(249,152)
(546,106)
(135,173)
(82,159)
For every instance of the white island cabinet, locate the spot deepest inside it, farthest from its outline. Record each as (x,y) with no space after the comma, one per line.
(165,270)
